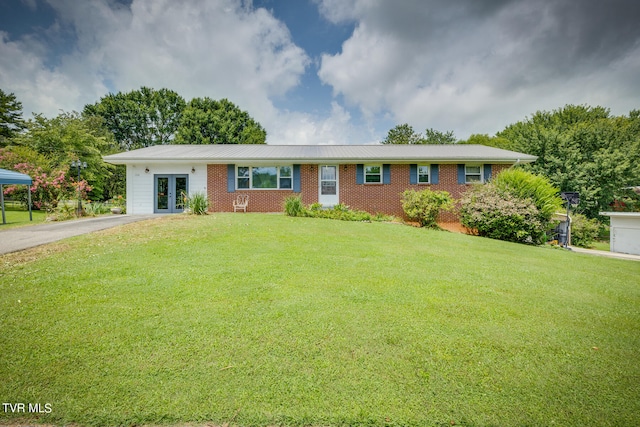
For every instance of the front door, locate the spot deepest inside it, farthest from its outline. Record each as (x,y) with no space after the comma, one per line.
(170,193)
(328,191)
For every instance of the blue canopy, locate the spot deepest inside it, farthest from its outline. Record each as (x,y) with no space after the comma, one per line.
(11,177)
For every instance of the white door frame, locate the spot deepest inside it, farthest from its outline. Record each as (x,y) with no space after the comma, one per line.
(329,186)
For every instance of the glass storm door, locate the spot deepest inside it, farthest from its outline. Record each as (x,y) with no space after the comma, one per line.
(170,193)
(328,191)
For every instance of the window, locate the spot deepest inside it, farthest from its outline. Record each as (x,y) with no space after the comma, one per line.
(423,174)
(373,174)
(264,177)
(472,174)
(243,177)
(286,177)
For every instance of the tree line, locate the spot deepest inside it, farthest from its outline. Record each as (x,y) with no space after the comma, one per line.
(44,148)
(579,148)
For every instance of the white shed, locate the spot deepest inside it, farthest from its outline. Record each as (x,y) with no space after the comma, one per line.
(624,232)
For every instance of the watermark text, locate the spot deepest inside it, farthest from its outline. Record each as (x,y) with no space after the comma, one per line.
(27,408)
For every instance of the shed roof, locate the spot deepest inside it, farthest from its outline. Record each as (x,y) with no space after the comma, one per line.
(12,177)
(235,153)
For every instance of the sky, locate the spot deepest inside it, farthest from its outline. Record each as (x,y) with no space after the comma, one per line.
(330,71)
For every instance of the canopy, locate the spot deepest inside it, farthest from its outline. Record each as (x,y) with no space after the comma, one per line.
(11,177)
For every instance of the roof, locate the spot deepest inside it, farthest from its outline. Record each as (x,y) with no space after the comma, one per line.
(263,153)
(11,177)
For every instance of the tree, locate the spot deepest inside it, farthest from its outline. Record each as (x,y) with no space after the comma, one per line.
(69,137)
(582,149)
(490,141)
(207,121)
(140,118)
(11,120)
(402,134)
(432,136)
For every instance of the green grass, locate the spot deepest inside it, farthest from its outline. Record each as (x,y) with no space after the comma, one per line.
(18,217)
(601,245)
(262,320)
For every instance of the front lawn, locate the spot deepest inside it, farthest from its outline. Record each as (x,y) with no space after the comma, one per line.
(262,320)
(17,216)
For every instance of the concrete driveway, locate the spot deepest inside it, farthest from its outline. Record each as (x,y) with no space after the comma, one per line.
(17,239)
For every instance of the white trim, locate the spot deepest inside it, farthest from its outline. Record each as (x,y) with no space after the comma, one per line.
(278,177)
(418,166)
(481,173)
(328,200)
(364,173)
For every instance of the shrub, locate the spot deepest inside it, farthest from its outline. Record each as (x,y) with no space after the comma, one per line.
(584,231)
(293,206)
(526,185)
(501,215)
(197,203)
(96,208)
(425,206)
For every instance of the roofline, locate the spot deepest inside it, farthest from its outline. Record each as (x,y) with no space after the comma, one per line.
(307,160)
(323,155)
(304,161)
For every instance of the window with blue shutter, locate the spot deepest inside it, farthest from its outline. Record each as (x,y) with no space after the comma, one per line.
(487,173)
(359,174)
(413,174)
(461,177)
(386,174)
(231,178)
(297,186)
(435,174)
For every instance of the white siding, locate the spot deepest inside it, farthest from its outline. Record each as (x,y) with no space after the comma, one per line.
(625,234)
(140,184)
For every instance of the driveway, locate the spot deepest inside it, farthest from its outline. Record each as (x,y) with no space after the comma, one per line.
(17,239)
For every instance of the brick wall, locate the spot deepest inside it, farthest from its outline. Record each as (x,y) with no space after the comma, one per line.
(259,200)
(373,198)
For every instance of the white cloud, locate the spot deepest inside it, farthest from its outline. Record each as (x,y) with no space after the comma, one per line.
(475,67)
(304,128)
(221,49)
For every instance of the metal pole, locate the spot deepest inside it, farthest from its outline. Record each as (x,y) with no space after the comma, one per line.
(29,198)
(79,196)
(566,229)
(4,220)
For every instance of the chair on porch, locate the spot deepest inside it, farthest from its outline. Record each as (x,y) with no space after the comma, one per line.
(241,202)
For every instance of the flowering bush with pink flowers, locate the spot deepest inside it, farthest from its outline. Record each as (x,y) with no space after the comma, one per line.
(47,188)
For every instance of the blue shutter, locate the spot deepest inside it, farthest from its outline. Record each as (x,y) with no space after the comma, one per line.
(487,173)
(435,174)
(413,174)
(386,174)
(461,178)
(359,174)
(231,178)
(296,179)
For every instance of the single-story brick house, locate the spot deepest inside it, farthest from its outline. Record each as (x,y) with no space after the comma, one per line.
(365,177)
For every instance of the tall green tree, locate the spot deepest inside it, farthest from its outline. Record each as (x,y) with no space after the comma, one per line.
(490,141)
(140,118)
(207,121)
(582,149)
(432,136)
(402,134)
(11,121)
(69,137)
